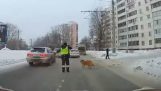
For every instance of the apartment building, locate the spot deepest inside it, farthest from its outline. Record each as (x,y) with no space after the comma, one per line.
(73,34)
(138,24)
(69,33)
(156,15)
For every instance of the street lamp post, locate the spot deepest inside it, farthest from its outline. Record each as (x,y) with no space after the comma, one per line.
(113,28)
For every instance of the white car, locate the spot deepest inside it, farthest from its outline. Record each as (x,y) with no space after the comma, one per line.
(74,53)
(40,55)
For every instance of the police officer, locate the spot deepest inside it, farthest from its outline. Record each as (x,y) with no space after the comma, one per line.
(65,55)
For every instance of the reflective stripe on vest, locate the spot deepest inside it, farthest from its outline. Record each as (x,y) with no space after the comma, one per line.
(64,51)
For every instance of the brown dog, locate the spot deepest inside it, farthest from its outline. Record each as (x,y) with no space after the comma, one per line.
(87,63)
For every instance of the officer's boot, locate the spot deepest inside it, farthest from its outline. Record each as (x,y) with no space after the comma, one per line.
(63,69)
(68,69)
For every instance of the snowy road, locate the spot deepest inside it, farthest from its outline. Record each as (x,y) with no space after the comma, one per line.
(50,78)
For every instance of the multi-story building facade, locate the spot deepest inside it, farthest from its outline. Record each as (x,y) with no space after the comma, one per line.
(156,15)
(69,33)
(73,34)
(138,24)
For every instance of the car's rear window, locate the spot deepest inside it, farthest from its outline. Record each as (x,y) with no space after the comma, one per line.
(41,50)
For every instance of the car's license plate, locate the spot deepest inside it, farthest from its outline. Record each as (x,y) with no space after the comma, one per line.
(37,57)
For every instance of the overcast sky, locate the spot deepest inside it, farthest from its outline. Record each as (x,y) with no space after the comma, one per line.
(35,17)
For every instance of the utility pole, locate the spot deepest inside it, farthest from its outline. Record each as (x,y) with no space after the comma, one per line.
(18,44)
(31,43)
(113,28)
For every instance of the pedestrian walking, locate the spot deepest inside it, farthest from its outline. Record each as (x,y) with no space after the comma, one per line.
(107,53)
(65,55)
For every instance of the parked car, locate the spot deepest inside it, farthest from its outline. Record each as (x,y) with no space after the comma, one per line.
(41,55)
(57,53)
(56,50)
(74,53)
(82,50)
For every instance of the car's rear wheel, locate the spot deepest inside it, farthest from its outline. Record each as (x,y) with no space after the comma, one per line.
(31,63)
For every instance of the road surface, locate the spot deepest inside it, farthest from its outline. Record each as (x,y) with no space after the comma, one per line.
(50,78)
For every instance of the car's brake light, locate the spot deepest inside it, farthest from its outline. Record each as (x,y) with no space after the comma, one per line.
(29,54)
(43,55)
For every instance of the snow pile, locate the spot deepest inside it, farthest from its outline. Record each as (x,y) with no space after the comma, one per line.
(150,67)
(8,57)
(5,48)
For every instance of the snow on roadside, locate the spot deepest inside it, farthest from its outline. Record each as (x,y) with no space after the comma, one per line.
(143,64)
(8,57)
(102,54)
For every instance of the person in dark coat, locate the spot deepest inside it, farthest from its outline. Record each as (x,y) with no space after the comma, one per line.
(107,53)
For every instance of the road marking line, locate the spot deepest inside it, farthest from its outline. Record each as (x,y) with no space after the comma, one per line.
(59,86)
(57,89)
(62,80)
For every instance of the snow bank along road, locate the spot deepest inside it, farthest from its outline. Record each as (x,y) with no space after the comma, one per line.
(140,67)
(11,58)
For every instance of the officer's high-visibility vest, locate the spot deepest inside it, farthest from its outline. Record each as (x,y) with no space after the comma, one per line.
(64,51)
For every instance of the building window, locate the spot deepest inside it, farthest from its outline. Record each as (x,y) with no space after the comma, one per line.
(133,43)
(157,22)
(121,11)
(124,44)
(132,13)
(143,43)
(149,25)
(132,21)
(122,37)
(121,5)
(121,17)
(142,26)
(141,18)
(122,30)
(148,16)
(155,5)
(157,31)
(158,40)
(147,8)
(122,24)
(142,35)
(131,6)
(146,1)
(139,3)
(150,34)
(150,42)
(133,35)
(157,13)
(132,28)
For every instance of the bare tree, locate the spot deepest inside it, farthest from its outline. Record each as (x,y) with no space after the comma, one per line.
(96,28)
(12,31)
(52,39)
(13,38)
(86,41)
